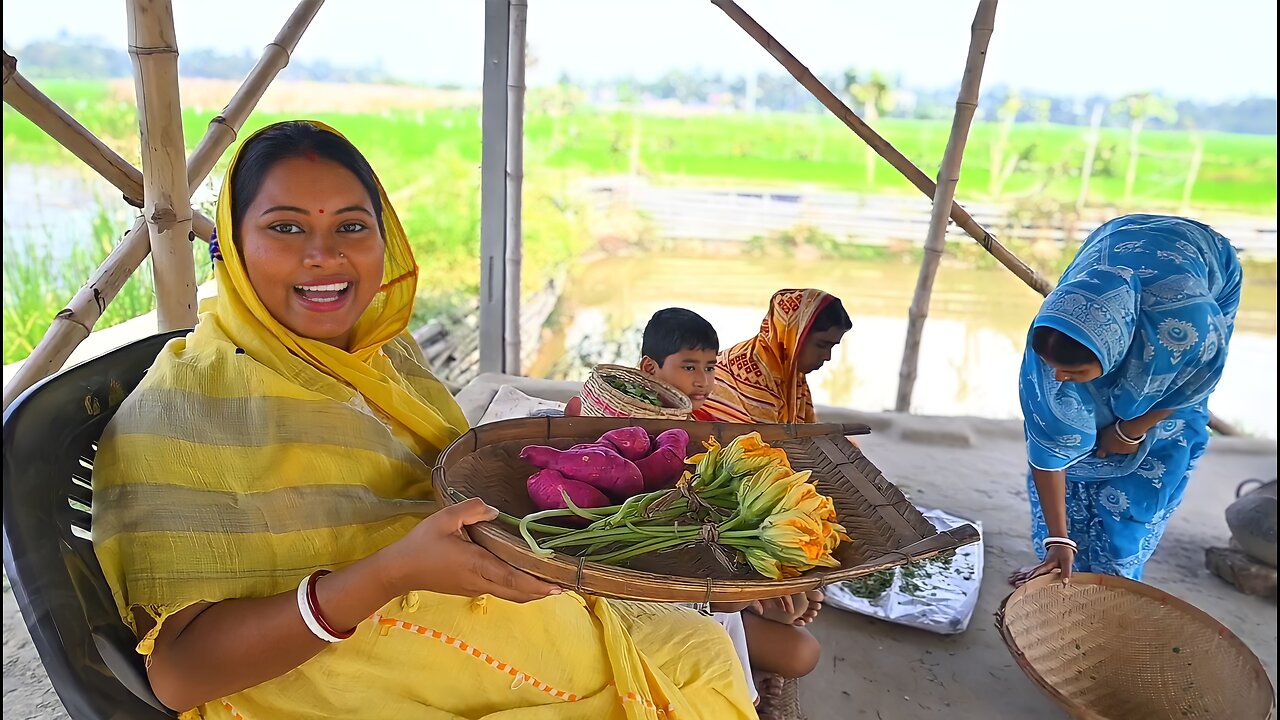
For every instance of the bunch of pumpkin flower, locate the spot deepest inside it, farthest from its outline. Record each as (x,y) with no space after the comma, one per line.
(743,499)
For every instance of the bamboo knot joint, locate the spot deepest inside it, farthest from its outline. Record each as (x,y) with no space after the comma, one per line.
(153,50)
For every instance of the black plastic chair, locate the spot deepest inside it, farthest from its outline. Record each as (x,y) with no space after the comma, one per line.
(50,436)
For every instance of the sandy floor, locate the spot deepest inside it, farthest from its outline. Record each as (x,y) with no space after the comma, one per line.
(972,468)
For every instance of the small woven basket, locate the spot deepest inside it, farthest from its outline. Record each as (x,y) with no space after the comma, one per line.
(600,399)
(1110,648)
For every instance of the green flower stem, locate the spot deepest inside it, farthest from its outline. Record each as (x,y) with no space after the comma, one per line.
(656,545)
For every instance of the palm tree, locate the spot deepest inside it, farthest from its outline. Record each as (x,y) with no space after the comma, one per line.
(874,90)
(1141,107)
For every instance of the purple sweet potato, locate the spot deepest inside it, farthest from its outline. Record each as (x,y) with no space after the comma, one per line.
(540,456)
(673,438)
(595,464)
(631,443)
(544,489)
(663,467)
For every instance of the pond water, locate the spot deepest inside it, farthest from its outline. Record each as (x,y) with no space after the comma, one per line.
(970,353)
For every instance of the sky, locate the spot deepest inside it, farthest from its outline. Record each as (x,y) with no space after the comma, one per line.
(1208,51)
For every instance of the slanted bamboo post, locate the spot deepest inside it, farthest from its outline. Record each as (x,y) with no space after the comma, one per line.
(73,323)
(224,126)
(34,105)
(806,78)
(76,321)
(515,183)
(153,45)
(948,178)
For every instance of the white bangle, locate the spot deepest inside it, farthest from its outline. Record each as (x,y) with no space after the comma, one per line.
(1055,540)
(1125,438)
(304,608)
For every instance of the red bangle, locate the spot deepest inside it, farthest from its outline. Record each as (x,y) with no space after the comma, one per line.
(313,603)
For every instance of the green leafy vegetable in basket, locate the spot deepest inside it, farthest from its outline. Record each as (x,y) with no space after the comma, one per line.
(633,390)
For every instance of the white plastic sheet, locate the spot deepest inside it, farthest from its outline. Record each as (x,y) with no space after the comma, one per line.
(940,600)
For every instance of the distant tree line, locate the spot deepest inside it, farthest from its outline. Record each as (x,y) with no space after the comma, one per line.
(868,91)
(67,57)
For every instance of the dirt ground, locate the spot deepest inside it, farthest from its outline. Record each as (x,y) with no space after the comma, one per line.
(972,468)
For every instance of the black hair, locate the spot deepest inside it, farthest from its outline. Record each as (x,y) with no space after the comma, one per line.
(833,315)
(1060,348)
(289,140)
(674,329)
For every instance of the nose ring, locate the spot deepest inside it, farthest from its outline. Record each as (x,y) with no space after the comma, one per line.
(342,254)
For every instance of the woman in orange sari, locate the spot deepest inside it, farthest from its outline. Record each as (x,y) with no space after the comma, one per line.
(762,380)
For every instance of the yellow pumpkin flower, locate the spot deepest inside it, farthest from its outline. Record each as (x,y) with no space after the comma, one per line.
(748,454)
(764,493)
(798,539)
(706,464)
(769,566)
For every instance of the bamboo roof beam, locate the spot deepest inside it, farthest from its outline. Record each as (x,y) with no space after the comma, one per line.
(943,199)
(806,78)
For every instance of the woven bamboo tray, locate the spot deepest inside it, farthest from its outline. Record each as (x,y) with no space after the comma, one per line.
(1110,648)
(887,530)
(600,399)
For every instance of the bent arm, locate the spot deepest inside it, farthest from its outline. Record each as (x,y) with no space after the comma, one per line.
(208,651)
(1143,423)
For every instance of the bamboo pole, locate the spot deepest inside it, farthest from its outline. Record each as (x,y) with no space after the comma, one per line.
(806,78)
(37,107)
(224,126)
(513,255)
(76,321)
(948,178)
(153,46)
(73,323)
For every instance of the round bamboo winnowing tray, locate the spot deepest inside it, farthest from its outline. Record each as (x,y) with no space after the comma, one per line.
(887,530)
(600,399)
(1110,648)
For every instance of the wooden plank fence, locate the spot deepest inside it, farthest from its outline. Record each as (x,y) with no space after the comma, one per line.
(738,215)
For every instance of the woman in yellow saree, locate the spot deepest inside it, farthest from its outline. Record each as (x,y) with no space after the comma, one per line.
(293,433)
(762,380)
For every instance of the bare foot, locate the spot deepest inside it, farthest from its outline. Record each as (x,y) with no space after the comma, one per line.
(786,609)
(814,600)
(770,688)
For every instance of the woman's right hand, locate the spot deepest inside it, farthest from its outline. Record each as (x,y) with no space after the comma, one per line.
(1058,558)
(437,556)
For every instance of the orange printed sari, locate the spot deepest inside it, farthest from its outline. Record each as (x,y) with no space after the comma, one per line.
(759,380)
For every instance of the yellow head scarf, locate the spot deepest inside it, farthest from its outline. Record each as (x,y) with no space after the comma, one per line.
(246,320)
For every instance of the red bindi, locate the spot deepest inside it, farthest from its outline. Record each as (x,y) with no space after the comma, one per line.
(321,211)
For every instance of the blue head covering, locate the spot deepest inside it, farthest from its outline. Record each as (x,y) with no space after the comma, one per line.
(1154,298)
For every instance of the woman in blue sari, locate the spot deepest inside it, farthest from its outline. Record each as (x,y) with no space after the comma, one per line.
(1118,369)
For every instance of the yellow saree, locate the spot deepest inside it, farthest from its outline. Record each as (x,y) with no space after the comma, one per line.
(250,456)
(758,380)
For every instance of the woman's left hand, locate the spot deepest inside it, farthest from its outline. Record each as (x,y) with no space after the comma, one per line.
(1109,443)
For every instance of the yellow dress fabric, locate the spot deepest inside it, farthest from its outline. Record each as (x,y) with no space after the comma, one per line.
(758,380)
(249,457)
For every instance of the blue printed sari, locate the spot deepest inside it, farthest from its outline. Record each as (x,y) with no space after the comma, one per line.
(1154,298)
